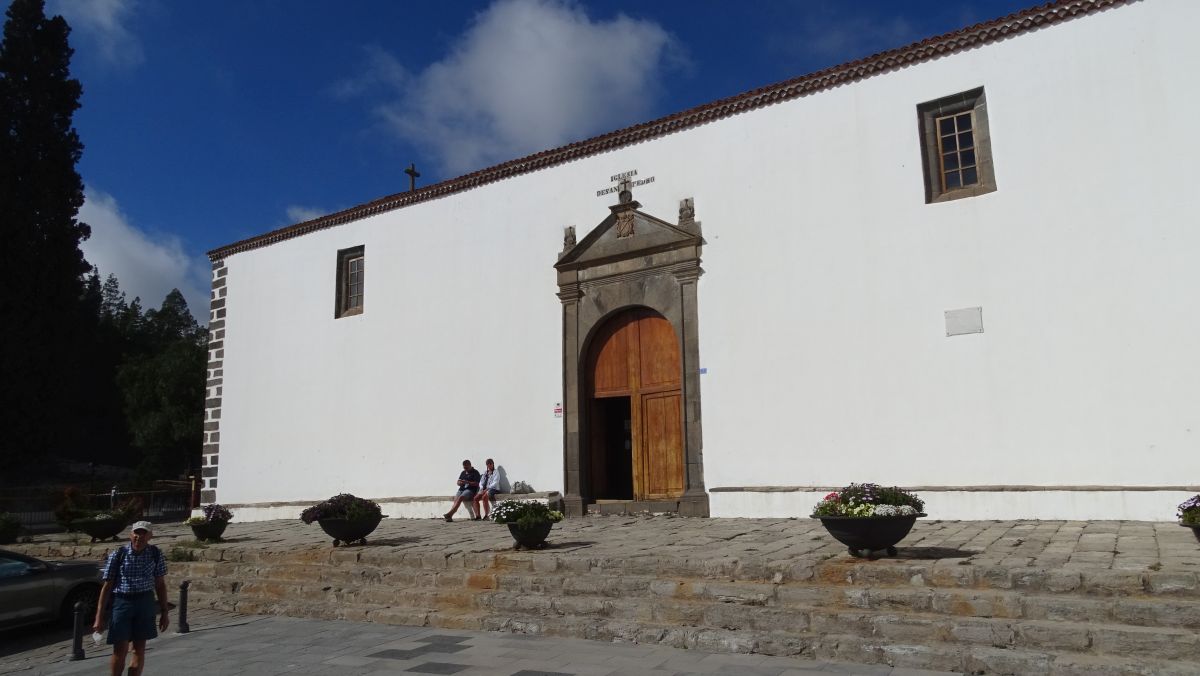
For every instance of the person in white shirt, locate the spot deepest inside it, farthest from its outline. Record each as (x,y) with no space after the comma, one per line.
(489,486)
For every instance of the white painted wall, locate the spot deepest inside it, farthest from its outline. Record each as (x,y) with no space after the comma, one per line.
(821,313)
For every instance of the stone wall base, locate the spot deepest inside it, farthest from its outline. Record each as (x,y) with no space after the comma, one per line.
(420,507)
(1072,503)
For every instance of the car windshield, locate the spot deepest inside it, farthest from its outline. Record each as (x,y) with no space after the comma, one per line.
(12,567)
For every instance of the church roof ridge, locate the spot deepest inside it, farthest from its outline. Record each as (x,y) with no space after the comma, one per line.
(930,48)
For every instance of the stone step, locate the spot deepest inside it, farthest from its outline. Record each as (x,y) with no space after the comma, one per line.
(394,567)
(420,588)
(726,611)
(380,563)
(974,659)
(899,651)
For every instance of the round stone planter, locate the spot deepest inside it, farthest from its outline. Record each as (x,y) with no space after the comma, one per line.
(100,529)
(209,531)
(347,532)
(1195,529)
(533,537)
(862,536)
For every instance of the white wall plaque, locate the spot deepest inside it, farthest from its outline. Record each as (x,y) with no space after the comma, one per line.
(964,321)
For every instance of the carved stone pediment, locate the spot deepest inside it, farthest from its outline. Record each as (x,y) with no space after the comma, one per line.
(628,233)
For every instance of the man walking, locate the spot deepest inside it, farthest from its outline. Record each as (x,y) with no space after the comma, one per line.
(134,576)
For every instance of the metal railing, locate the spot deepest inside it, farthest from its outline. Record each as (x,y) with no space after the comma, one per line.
(34,508)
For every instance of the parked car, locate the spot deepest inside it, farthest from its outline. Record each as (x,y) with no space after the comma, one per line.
(33,591)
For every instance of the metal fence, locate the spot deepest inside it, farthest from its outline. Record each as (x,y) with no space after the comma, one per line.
(34,507)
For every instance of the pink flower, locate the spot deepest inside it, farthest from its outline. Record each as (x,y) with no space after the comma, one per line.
(831,496)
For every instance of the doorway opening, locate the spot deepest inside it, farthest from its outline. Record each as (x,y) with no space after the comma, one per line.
(612,449)
(635,449)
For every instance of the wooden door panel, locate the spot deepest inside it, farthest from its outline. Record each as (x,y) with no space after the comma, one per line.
(662,445)
(659,353)
(615,359)
(637,355)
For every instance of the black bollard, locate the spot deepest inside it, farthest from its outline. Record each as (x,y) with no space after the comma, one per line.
(183,623)
(77,639)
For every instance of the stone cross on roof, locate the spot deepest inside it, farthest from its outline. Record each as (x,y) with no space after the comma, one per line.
(413,174)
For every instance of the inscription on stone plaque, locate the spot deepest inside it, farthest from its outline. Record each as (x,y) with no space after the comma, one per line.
(624,181)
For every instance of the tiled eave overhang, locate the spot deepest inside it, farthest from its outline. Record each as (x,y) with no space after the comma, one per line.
(926,50)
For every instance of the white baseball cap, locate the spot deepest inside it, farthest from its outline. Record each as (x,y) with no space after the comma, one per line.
(142,525)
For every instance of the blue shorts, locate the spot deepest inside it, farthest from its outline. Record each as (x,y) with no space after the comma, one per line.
(465,492)
(134,618)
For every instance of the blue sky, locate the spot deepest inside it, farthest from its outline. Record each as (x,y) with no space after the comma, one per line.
(208,122)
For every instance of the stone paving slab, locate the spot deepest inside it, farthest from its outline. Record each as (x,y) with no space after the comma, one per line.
(1096,560)
(246,645)
(1080,546)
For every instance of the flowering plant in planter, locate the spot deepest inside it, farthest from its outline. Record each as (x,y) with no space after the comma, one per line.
(345,518)
(528,521)
(869,517)
(213,513)
(525,513)
(1189,511)
(867,501)
(343,506)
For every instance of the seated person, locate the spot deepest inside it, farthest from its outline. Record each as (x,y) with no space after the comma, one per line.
(468,483)
(489,486)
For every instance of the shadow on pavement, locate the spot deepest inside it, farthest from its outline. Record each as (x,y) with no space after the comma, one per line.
(926,553)
(568,545)
(384,542)
(15,641)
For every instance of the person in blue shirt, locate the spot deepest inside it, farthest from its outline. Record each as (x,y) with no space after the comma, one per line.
(134,575)
(468,483)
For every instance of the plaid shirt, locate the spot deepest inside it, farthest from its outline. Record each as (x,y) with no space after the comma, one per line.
(138,570)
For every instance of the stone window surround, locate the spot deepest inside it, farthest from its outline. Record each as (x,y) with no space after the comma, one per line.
(341,281)
(927,114)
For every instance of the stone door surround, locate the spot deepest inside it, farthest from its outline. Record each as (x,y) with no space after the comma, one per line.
(631,259)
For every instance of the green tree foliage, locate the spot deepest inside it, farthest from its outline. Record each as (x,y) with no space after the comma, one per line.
(41,267)
(163,390)
(84,374)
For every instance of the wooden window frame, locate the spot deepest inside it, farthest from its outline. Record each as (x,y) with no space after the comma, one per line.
(928,114)
(342,299)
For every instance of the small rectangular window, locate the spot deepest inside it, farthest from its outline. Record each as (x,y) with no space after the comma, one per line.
(351,280)
(957,147)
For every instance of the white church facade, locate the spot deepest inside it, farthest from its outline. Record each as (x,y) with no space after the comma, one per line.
(968,267)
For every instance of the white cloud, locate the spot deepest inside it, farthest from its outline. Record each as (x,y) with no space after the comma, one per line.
(299,214)
(837,32)
(101,25)
(381,69)
(148,266)
(526,76)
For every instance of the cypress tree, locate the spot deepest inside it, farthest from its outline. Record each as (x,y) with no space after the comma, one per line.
(41,266)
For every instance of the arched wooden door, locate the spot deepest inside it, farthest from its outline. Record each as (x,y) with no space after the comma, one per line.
(635,398)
